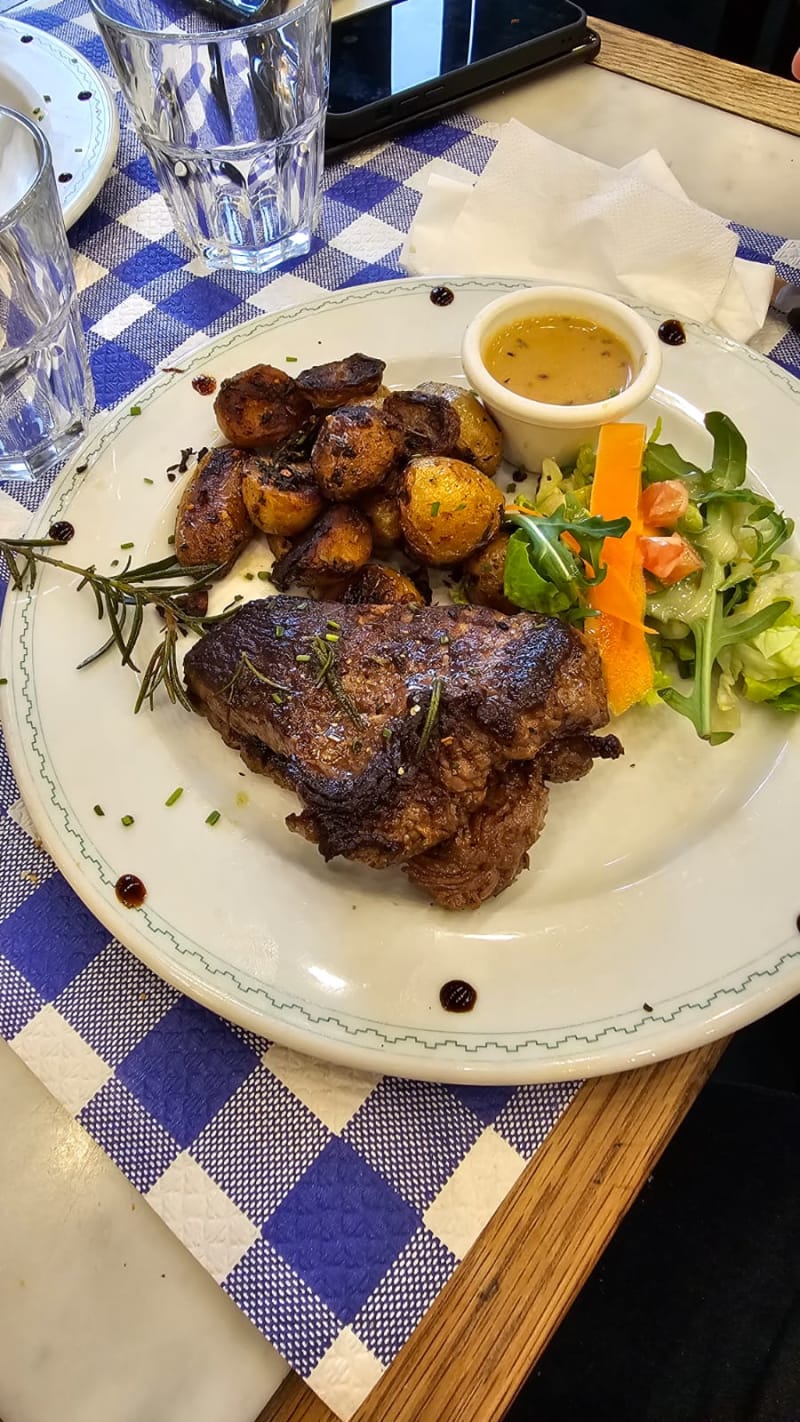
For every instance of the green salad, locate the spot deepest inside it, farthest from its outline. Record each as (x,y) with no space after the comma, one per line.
(720,592)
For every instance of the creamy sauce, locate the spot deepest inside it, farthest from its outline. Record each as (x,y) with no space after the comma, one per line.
(560,360)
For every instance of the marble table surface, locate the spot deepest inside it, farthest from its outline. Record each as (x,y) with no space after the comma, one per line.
(104,1317)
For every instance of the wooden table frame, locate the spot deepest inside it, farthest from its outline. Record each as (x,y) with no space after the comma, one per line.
(477,1344)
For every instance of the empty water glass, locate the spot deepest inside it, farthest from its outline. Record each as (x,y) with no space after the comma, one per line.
(46,393)
(233,120)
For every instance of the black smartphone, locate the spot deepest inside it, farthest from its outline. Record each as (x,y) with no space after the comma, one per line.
(403,61)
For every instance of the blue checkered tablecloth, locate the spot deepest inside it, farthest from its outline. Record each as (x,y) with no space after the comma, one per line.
(331,1205)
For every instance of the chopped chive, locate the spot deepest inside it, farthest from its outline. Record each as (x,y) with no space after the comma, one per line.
(279,631)
(213,817)
(511,488)
(126,545)
(337,626)
(435,509)
(147,481)
(171,539)
(98,809)
(249,577)
(303,657)
(331,636)
(387,733)
(175,796)
(277,698)
(265,577)
(136,409)
(292,359)
(459,507)
(115,562)
(127,821)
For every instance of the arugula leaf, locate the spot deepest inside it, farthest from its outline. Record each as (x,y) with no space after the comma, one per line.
(711,631)
(757,527)
(544,574)
(729,465)
(662,461)
(525,587)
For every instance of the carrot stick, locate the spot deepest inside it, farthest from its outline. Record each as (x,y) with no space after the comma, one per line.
(619,630)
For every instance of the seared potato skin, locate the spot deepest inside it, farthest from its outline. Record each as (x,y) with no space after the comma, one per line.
(382,508)
(428,423)
(355,450)
(261,406)
(447,509)
(336,546)
(377,584)
(483,577)
(478,439)
(341,382)
(281,498)
(212,524)
(279,545)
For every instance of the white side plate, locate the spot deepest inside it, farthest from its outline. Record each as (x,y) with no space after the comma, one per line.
(42,78)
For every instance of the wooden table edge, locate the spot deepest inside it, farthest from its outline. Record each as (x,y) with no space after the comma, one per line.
(478,1342)
(749,93)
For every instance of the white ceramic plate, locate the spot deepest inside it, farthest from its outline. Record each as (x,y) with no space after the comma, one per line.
(42,78)
(669,878)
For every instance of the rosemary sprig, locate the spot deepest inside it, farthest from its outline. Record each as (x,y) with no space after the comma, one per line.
(431,717)
(244,664)
(122,599)
(325,653)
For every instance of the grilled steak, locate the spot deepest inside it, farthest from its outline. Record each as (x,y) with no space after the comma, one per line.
(399,727)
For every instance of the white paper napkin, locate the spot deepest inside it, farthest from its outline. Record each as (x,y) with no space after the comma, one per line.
(14,518)
(542,211)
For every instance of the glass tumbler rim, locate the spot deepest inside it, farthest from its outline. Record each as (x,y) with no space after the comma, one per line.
(9,218)
(200,37)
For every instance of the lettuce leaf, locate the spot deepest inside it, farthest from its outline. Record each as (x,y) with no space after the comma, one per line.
(766,667)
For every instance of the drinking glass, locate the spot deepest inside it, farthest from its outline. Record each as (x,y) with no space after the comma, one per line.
(232,119)
(46,392)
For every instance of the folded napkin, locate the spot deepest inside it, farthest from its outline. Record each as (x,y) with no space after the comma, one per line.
(14,519)
(541,211)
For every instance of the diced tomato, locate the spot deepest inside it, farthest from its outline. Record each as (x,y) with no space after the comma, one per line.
(670,559)
(662,505)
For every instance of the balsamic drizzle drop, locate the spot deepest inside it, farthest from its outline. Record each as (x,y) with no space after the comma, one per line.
(672,333)
(458,996)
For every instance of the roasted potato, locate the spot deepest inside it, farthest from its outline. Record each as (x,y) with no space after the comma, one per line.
(279,545)
(281,498)
(447,509)
(261,406)
(483,575)
(340,382)
(212,525)
(478,440)
(336,546)
(383,511)
(428,423)
(355,450)
(371,402)
(376,583)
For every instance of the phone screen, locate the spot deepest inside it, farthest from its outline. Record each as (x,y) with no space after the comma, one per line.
(397,46)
